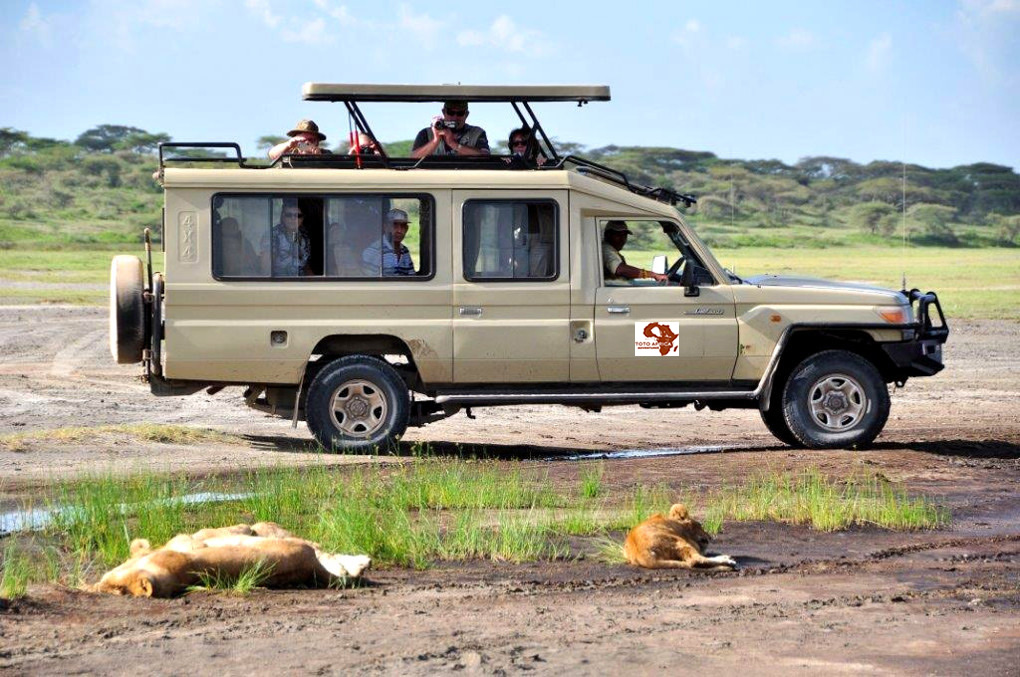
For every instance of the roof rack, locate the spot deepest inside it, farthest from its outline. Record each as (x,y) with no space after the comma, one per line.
(517,96)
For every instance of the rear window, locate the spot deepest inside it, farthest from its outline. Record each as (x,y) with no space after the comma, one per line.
(367,236)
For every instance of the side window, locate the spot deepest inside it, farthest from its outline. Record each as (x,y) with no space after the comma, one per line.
(510,240)
(630,247)
(267,236)
(379,236)
(349,236)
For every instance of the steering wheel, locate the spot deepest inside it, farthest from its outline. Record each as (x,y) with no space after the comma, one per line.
(674,270)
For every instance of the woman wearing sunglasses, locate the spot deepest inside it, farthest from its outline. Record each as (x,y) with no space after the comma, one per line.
(523,153)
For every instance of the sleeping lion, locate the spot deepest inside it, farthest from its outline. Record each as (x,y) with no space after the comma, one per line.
(674,542)
(227,552)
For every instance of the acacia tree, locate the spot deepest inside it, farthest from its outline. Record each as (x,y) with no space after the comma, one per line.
(875,218)
(105,138)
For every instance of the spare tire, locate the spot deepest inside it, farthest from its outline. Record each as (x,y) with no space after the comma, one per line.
(127,309)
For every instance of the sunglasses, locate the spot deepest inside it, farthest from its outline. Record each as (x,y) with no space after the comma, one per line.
(518,142)
(455,113)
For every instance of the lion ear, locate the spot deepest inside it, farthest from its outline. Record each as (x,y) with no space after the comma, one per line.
(140,546)
(141,587)
(679,512)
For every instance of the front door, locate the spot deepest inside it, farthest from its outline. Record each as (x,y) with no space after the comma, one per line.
(511,291)
(647,331)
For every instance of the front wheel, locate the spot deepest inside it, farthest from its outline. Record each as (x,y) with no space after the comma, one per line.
(835,399)
(357,403)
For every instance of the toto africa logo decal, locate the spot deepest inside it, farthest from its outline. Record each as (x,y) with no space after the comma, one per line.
(656,339)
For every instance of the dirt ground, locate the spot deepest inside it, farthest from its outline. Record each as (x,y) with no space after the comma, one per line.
(864,600)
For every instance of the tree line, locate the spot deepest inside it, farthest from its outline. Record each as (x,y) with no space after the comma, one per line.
(98,188)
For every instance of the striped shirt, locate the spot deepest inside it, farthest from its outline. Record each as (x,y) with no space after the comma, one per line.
(381,254)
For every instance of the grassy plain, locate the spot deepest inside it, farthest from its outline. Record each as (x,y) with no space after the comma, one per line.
(972,283)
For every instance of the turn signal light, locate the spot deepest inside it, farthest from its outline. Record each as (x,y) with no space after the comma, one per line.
(892,315)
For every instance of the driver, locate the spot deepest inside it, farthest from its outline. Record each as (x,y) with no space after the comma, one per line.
(616,266)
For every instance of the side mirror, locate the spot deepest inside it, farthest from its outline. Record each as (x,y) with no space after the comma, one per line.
(660,264)
(693,276)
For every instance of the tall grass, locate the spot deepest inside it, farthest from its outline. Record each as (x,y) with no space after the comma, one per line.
(825,504)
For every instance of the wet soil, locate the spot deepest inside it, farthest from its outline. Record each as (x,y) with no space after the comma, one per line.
(863,600)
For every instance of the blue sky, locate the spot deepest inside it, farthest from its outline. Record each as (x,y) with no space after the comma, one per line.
(932,82)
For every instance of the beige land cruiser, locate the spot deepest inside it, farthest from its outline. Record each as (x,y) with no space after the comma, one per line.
(509,300)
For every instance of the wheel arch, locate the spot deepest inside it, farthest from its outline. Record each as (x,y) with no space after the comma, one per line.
(389,348)
(806,341)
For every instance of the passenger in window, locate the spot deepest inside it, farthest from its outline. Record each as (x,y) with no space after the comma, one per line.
(343,258)
(366,145)
(285,250)
(451,135)
(389,255)
(521,156)
(304,140)
(616,266)
(238,256)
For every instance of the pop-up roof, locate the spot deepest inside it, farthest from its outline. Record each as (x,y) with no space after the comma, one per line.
(315,91)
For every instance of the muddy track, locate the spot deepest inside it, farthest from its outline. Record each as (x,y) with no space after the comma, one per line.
(863,600)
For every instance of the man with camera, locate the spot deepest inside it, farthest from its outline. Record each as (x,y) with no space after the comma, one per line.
(451,135)
(304,140)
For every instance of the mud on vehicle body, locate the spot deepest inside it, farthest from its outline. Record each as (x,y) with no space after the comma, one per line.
(508,303)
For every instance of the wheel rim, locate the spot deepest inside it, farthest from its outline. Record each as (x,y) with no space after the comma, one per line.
(358,408)
(837,402)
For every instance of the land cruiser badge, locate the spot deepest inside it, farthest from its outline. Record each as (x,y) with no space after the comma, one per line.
(656,339)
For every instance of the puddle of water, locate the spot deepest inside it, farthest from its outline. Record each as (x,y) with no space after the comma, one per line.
(650,453)
(37,519)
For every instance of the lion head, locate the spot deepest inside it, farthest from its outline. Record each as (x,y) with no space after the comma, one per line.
(690,527)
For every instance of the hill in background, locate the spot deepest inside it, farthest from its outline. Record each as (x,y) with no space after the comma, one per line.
(98,190)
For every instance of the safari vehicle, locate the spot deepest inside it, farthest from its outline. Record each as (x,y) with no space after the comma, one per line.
(509,302)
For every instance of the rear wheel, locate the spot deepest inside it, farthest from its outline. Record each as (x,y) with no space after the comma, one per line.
(357,403)
(127,309)
(835,399)
(776,423)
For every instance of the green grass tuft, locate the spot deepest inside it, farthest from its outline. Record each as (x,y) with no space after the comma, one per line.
(248,579)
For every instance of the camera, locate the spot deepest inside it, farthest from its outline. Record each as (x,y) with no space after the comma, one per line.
(449,124)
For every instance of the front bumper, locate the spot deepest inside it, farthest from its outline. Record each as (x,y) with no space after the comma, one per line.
(920,354)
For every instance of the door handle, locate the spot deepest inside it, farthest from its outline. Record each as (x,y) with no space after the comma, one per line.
(471,311)
(618,310)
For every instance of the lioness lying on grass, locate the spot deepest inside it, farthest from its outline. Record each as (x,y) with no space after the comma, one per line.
(674,542)
(225,553)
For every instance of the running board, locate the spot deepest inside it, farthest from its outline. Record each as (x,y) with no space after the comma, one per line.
(478,399)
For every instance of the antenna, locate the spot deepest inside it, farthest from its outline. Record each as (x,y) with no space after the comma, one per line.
(903,217)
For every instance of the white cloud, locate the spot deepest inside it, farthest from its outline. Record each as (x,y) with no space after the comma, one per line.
(506,35)
(985,32)
(33,24)
(688,34)
(422,27)
(308,32)
(986,7)
(338,12)
(798,39)
(735,42)
(878,52)
(262,9)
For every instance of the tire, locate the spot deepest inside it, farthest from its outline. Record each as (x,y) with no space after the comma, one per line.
(357,403)
(835,399)
(127,309)
(775,421)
